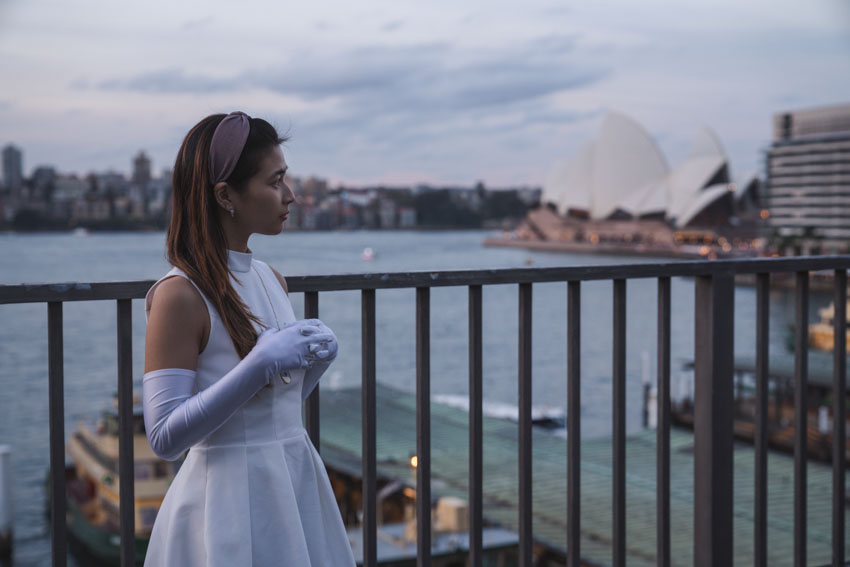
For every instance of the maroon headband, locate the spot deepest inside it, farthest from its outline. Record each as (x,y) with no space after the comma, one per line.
(227,143)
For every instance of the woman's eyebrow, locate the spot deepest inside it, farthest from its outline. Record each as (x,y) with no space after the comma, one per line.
(277,172)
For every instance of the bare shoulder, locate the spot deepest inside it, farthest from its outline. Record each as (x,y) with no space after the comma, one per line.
(281,279)
(178,326)
(177,296)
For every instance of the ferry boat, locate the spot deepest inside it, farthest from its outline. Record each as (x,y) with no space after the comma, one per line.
(92,487)
(822,333)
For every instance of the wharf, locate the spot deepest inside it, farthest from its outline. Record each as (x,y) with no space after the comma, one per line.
(543,229)
(396,442)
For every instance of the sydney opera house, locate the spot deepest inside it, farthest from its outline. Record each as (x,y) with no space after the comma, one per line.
(619,194)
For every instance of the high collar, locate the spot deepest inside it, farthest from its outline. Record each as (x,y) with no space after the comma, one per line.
(239,261)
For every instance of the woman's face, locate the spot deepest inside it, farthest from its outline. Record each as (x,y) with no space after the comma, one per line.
(263,205)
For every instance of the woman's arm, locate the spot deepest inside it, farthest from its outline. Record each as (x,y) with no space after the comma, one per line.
(178,326)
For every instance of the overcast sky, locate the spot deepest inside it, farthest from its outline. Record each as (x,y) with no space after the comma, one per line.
(405,92)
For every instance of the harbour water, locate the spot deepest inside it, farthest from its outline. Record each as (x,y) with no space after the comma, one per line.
(90,328)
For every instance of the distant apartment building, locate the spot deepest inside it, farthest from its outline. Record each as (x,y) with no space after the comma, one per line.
(406,217)
(808,178)
(90,209)
(67,190)
(42,183)
(387,213)
(13,170)
(141,170)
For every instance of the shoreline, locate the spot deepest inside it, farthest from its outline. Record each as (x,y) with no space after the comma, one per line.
(605,248)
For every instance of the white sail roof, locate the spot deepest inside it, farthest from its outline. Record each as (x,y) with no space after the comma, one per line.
(648,200)
(688,180)
(625,159)
(745,185)
(705,198)
(624,170)
(707,144)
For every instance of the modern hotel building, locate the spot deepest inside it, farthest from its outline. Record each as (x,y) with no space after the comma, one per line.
(808,178)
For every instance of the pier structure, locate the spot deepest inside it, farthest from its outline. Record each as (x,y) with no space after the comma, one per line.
(396,441)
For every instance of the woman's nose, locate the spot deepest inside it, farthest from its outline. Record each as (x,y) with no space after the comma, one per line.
(288,195)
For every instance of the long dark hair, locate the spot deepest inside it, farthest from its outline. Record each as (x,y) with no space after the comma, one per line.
(196,242)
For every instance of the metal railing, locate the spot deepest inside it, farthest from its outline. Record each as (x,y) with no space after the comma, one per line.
(713,401)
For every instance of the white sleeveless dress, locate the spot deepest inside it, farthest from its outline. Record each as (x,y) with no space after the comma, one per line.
(255,492)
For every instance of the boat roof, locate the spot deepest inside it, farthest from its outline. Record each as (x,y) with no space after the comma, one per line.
(781,366)
(112,410)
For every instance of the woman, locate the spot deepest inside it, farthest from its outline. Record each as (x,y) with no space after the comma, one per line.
(227,368)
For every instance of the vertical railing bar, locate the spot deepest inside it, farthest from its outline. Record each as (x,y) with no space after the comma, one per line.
(423,427)
(574,424)
(761,409)
(126,472)
(800,415)
(369,442)
(56,404)
(476,428)
(311,408)
(714,327)
(839,418)
(526,541)
(663,432)
(619,411)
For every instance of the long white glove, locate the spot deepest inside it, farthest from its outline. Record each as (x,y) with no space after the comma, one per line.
(176,419)
(317,368)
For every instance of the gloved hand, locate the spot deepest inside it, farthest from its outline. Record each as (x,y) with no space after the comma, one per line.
(318,367)
(297,345)
(176,419)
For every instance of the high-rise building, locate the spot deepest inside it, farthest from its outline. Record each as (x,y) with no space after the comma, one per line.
(141,170)
(808,178)
(13,170)
(42,183)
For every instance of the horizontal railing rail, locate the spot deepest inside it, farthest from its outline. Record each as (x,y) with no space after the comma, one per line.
(74,291)
(713,401)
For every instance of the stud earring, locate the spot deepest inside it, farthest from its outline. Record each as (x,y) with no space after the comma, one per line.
(232,212)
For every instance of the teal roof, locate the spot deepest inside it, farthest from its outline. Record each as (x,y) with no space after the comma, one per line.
(396,441)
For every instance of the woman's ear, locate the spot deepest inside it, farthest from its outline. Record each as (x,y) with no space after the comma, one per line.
(221,190)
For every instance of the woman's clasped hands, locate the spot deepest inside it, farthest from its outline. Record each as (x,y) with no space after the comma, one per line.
(298,344)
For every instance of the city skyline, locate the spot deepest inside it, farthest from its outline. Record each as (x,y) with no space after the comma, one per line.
(411,94)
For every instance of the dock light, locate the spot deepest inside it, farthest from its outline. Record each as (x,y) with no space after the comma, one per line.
(413,461)
(704,250)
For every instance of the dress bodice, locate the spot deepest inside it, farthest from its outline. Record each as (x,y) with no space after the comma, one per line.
(275,411)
